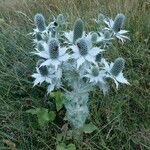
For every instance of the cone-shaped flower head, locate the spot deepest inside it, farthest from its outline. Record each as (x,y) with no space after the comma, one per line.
(106,34)
(40,22)
(98,57)
(95,71)
(118,22)
(40,47)
(53,48)
(43,69)
(78,30)
(101,17)
(38,36)
(94,37)
(117,67)
(83,46)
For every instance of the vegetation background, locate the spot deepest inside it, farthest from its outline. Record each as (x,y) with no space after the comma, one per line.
(122,117)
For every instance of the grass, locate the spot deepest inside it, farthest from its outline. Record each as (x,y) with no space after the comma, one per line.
(122,117)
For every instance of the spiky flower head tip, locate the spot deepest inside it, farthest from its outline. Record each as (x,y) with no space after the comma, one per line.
(40,22)
(78,30)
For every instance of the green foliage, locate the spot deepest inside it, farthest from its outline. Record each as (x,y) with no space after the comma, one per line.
(44,116)
(62,146)
(89,128)
(58,96)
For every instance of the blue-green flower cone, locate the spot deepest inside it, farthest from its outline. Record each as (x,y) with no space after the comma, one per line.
(53,48)
(40,47)
(95,71)
(98,57)
(40,22)
(117,67)
(43,69)
(38,36)
(118,22)
(83,46)
(94,37)
(78,30)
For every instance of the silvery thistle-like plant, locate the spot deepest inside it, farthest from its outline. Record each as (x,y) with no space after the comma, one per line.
(76,64)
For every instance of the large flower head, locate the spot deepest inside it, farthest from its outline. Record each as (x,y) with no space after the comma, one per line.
(114,71)
(53,53)
(78,32)
(95,75)
(84,51)
(47,74)
(43,73)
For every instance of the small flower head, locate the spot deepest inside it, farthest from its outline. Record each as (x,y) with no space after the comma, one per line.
(53,48)
(98,57)
(83,46)
(60,19)
(40,47)
(40,22)
(118,22)
(107,34)
(117,67)
(95,71)
(38,36)
(95,75)
(94,37)
(43,70)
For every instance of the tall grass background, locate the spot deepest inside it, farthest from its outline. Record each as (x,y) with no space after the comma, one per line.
(122,117)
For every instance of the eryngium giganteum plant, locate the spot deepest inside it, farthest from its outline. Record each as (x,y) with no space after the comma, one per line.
(73,61)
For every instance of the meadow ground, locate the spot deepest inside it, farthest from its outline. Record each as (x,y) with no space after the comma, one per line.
(122,117)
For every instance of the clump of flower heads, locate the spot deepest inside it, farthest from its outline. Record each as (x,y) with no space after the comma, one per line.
(73,61)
